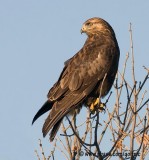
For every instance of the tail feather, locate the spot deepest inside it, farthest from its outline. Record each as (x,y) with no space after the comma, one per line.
(59,110)
(55,130)
(51,123)
(45,108)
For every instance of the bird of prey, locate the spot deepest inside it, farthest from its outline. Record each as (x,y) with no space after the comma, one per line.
(85,76)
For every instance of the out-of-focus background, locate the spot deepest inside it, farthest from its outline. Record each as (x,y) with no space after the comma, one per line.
(36,37)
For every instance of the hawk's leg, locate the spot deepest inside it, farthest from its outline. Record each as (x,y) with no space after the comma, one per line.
(97,105)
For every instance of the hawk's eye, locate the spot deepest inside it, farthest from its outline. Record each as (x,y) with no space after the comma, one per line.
(89,24)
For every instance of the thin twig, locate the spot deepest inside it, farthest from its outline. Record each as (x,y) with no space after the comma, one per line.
(67,141)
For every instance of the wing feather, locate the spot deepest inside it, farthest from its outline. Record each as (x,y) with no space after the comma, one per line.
(60,109)
(78,79)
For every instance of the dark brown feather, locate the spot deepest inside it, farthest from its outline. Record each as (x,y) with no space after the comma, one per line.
(54,130)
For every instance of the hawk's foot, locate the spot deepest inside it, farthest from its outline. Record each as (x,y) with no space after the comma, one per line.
(97,105)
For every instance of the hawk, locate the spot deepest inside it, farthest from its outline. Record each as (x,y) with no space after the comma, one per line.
(85,76)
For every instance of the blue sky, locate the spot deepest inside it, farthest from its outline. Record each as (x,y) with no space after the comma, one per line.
(36,37)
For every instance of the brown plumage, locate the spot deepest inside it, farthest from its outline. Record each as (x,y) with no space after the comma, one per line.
(80,81)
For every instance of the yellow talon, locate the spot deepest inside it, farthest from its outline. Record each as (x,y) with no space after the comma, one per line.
(97,105)
(92,107)
(94,104)
(102,105)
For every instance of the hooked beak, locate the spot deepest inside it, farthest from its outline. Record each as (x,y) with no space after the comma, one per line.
(82,30)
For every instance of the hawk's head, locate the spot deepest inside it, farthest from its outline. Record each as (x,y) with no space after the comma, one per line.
(96,25)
